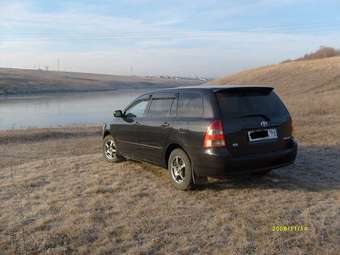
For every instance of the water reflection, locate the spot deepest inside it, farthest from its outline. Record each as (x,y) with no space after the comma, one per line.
(62,110)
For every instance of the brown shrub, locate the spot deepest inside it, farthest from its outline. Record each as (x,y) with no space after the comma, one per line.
(322,52)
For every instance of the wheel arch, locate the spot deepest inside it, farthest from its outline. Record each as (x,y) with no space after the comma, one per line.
(170,148)
(106,133)
(174,146)
(168,151)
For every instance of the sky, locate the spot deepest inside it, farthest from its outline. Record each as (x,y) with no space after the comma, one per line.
(153,37)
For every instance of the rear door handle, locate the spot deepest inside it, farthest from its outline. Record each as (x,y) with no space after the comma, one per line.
(165,124)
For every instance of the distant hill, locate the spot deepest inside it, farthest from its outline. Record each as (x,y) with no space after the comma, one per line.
(315,76)
(311,89)
(23,81)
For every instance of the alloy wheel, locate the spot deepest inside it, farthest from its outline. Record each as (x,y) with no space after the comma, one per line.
(110,149)
(178,169)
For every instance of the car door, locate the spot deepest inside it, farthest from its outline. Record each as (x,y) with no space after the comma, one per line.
(156,127)
(127,132)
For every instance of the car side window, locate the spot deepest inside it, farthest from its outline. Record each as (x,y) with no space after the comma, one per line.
(190,105)
(160,107)
(137,109)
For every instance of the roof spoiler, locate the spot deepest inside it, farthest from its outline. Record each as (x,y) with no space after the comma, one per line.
(265,90)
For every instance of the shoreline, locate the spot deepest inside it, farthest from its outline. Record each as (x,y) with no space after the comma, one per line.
(20,82)
(42,134)
(67,93)
(57,92)
(75,92)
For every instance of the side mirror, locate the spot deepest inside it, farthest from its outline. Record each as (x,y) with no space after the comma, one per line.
(118,114)
(130,115)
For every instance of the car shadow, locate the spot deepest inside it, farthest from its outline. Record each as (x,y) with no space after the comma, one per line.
(316,168)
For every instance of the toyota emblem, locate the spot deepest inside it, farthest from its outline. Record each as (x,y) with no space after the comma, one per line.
(264,124)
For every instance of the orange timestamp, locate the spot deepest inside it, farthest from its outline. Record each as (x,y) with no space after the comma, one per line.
(289,228)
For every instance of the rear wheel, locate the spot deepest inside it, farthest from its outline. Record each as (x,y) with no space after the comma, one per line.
(180,170)
(110,150)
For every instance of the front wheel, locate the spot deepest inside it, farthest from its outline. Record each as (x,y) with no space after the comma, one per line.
(110,150)
(180,170)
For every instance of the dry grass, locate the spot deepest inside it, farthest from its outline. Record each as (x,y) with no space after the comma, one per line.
(295,78)
(59,197)
(64,199)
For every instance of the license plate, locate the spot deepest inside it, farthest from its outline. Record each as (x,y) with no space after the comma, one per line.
(263,134)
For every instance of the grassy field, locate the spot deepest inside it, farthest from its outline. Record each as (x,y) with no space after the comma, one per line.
(58,196)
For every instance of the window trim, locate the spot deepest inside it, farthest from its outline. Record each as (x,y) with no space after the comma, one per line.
(137,101)
(176,99)
(164,95)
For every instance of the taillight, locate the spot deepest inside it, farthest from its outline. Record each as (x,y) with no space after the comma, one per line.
(214,136)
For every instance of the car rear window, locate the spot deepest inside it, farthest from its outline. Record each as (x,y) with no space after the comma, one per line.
(241,103)
(190,105)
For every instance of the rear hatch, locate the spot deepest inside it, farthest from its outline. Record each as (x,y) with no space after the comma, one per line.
(255,120)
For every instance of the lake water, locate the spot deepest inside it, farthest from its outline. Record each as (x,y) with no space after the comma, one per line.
(62,110)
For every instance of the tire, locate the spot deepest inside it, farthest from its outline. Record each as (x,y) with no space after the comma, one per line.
(180,170)
(262,173)
(110,150)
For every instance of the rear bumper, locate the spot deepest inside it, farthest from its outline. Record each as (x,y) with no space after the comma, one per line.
(221,163)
